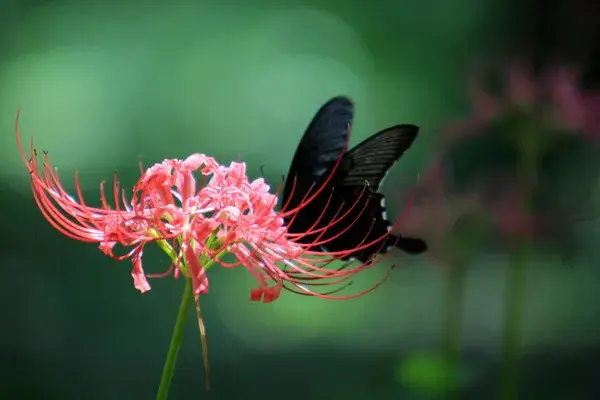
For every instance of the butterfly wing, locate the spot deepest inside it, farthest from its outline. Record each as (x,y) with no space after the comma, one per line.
(369,162)
(319,148)
(360,175)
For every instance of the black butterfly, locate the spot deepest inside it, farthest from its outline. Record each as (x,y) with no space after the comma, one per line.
(352,188)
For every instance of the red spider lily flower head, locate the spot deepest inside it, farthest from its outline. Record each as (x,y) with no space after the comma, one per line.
(557,89)
(579,108)
(196,224)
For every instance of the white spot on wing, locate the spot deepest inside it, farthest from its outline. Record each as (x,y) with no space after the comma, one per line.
(383,209)
(384,213)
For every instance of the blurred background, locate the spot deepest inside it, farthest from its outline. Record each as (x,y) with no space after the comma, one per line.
(105,83)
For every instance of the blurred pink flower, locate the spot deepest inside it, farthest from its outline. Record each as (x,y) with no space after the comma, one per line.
(579,109)
(434,212)
(556,92)
(196,223)
(506,207)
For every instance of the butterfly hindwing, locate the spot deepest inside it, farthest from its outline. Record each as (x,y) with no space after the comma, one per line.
(370,161)
(357,182)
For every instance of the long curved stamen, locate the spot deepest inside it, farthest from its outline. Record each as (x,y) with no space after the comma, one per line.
(334,222)
(295,274)
(352,296)
(335,274)
(308,200)
(334,279)
(310,269)
(280,188)
(353,249)
(312,229)
(163,274)
(380,238)
(291,196)
(306,292)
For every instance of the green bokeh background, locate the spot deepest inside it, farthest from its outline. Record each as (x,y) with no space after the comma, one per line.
(102,83)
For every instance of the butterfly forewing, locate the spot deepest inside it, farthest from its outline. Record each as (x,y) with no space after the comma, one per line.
(320,147)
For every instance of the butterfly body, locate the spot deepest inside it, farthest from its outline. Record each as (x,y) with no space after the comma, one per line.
(348,204)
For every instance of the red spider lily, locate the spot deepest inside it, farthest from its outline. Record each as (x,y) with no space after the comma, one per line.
(196,223)
(556,90)
(509,215)
(558,85)
(435,212)
(579,107)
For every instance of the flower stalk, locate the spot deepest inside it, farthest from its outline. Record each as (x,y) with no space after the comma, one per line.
(516,274)
(171,360)
(513,326)
(452,323)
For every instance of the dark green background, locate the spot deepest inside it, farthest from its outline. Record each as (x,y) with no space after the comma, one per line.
(103,82)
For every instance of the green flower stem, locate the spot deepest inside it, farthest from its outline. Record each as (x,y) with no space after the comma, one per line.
(452,325)
(516,276)
(169,368)
(206,261)
(513,326)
